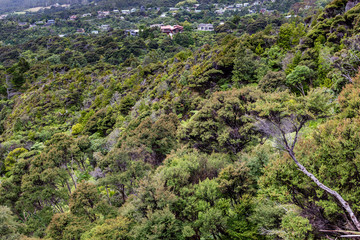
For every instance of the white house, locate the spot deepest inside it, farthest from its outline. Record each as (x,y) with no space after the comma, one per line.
(219,11)
(205,27)
(156,25)
(105,27)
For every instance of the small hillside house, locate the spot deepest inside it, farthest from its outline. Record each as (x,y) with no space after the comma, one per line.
(205,27)
(171,29)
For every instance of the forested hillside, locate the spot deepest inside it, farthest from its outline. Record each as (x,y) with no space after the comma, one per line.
(21,5)
(247,132)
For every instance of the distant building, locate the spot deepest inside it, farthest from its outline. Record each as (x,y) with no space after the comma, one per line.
(95,32)
(156,25)
(173,9)
(133,10)
(132,32)
(51,21)
(22,24)
(197,11)
(205,27)
(220,11)
(105,27)
(39,23)
(80,30)
(125,12)
(163,15)
(231,8)
(102,14)
(116,11)
(86,15)
(3,16)
(73,17)
(171,29)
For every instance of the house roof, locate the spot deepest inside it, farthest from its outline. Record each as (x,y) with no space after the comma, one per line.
(205,25)
(171,28)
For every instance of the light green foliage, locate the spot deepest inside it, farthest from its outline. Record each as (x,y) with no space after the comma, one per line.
(116,228)
(184,168)
(334,145)
(316,104)
(9,227)
(294,226)
(112,136)
(284,221)
(77,129)
(160,224)
(274,56)
(13,157)
(290,35)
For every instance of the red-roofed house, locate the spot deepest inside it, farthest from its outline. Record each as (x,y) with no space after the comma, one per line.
(171,29)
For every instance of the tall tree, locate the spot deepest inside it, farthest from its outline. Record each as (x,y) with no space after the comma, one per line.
(283,116)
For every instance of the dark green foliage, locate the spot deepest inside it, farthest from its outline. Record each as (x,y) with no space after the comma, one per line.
(272,81)
(245,67)
(112,136)
(100,122)
(84,201)
(17,72)
(126,104)
(221,124)
(184,39)
(300,78)
(151,142)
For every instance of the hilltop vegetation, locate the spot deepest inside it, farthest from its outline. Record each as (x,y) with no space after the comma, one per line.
(199,136)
